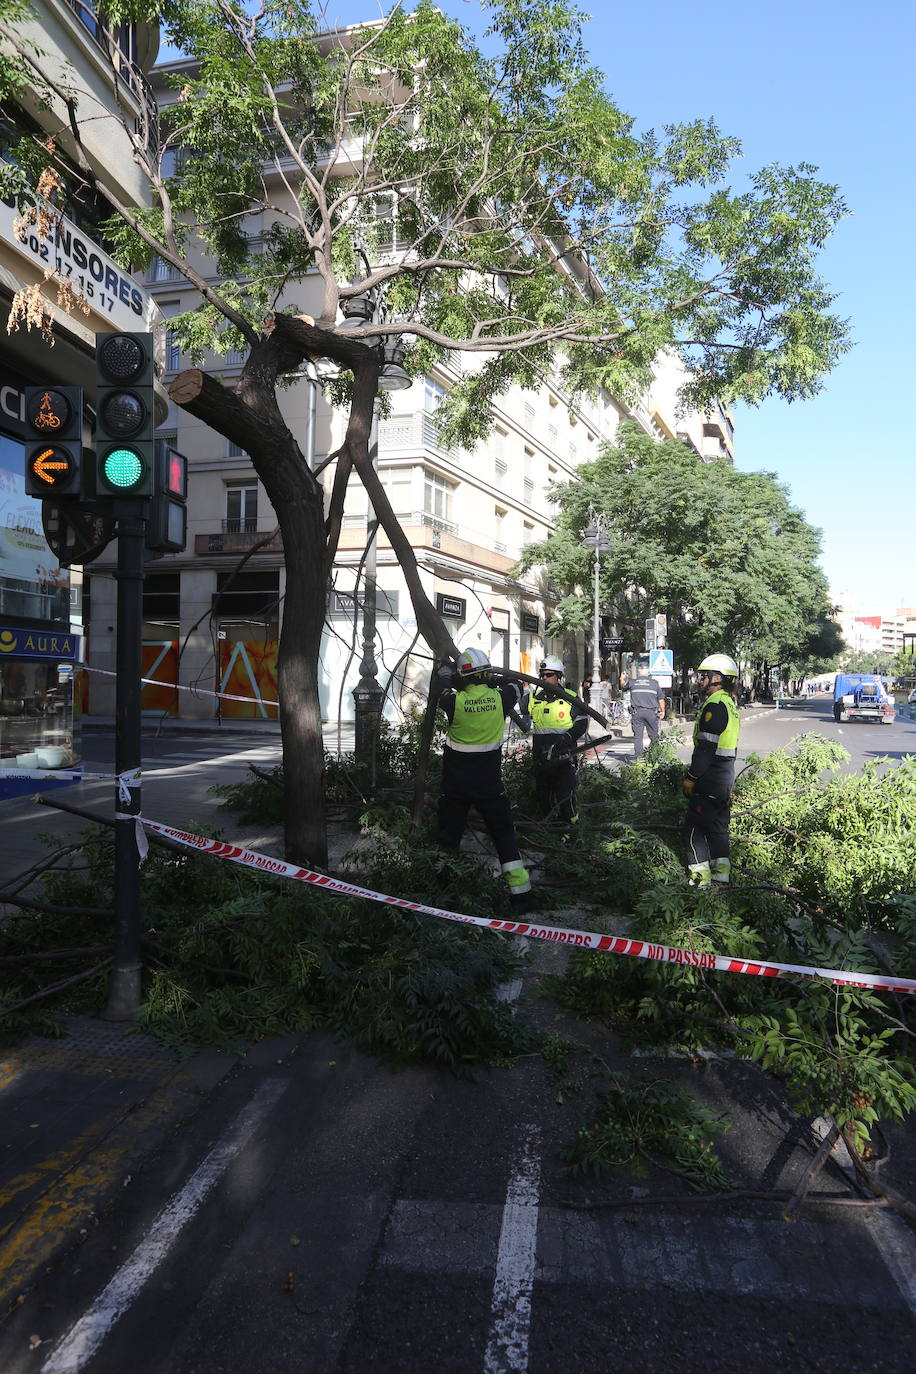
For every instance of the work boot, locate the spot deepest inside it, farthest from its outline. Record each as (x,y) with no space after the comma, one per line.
(698,875)
(721,871)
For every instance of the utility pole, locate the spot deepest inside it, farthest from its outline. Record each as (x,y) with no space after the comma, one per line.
(594,537)
(125,985)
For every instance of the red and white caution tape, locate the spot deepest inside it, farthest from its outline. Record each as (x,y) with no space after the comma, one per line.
(581,939)
(179,687)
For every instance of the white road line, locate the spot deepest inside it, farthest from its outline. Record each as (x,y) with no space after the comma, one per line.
(507,1347)
(86,1335)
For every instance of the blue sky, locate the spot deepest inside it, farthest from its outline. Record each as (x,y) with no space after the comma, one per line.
(830,84)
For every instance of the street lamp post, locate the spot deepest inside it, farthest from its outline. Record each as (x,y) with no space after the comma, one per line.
(368,694)
(594,537)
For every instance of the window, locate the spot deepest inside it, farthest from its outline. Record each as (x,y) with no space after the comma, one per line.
(399,490)
(572,452)
(529,415)
(235,357)
(242,595)
(499,542)
(500,467)
(234,450)
(160,270)
(527,534)
(437,495)
(528,491)
(433,395)
(241,510)
(162,597)
(172,353)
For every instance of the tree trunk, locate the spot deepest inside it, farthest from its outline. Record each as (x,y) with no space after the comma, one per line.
(304,828)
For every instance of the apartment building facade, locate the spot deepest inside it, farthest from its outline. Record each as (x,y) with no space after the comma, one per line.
(41,604)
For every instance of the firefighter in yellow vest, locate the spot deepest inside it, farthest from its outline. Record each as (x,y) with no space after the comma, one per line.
(557,722)
(711,774)
(472,766)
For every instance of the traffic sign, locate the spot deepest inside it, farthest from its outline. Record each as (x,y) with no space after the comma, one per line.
(661,661)
(53,452)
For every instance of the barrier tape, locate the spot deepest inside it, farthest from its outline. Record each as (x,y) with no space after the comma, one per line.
(580,939)
(178,687)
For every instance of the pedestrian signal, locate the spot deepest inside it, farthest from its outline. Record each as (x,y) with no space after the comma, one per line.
(168,517)
(54,448)
(125,415)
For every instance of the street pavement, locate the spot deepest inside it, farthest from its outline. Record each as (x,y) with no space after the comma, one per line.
(301,1208)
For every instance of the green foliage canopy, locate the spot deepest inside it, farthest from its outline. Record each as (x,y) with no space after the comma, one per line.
(724,552)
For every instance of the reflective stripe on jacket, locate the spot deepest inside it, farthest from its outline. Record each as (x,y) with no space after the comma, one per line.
(478,723)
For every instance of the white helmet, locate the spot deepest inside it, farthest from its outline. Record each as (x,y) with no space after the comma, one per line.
(722,664)
(472,661)
(552,664)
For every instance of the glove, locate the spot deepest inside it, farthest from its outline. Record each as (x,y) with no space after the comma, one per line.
(687,787)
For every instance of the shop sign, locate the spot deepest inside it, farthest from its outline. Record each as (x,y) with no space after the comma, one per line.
(71,256)
(530,624)
(453,607)
(28,641)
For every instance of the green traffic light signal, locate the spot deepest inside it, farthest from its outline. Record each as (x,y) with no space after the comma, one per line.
(123,470)
(125,415)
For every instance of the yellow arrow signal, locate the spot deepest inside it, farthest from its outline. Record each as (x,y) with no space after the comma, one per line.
(48,463)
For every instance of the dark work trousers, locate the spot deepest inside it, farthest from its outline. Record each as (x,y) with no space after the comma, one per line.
(643,720)
(475,780)
(706,829)
(555,788)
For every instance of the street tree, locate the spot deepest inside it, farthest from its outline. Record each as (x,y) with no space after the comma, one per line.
(535,229)
(724,553)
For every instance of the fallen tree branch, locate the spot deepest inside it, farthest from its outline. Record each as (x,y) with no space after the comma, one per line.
(8,1008)
(810,1173)
(870,1179)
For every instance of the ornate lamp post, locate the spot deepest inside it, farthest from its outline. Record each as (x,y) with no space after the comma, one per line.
(368,694)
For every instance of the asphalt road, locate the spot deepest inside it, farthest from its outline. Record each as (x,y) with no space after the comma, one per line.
(325,1215)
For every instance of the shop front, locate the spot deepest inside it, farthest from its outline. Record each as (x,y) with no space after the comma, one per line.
(39,708)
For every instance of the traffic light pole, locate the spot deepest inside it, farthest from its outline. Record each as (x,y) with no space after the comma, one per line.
(124,989)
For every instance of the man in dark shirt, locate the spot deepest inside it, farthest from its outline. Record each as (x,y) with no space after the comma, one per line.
(647,706)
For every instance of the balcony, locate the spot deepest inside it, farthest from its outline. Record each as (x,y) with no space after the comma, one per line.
(245,524)
(236,541)
(116,47)
(417,433)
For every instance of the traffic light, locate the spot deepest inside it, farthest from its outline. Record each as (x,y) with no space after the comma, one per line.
(167,526)
(125,415)
(54,448)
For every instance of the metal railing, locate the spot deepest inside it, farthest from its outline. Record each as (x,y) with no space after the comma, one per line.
(146,125)
(246,524)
